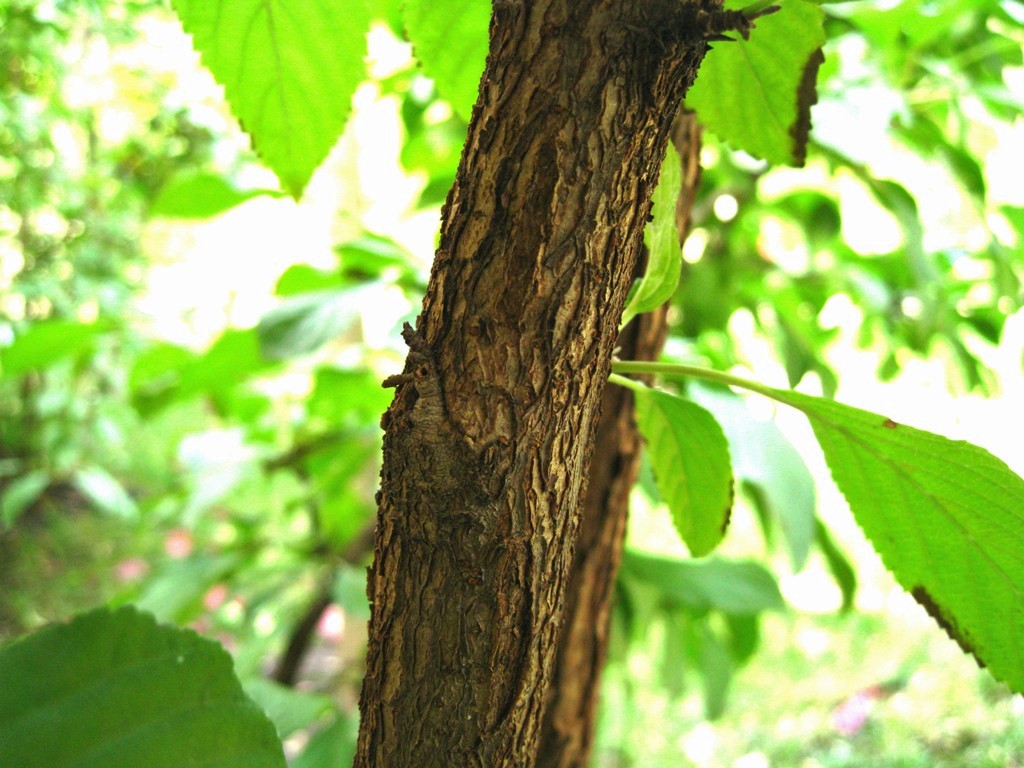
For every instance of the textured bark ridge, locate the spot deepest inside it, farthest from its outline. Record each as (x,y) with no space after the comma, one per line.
(488,438)
(570,718)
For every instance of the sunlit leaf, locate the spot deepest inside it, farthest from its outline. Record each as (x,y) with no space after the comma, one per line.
(47,342)
(450,40)
(201,196)
(947,518)
(664,254)
(754,93)
(113,689)
(289,69)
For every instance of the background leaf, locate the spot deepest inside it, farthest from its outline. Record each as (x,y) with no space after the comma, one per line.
(735,587)
(690,458)
(947,518)
(116,690)
(289,69)
(46,342)
(201,196)
(748,91)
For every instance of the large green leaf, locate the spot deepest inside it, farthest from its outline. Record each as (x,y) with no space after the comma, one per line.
(113,689)
(664,254)
(690,457)
(754,93)
(947,518)
(289,69)
(450,40)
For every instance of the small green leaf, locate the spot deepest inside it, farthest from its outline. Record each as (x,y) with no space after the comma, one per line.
(21,493)
(690,458)
(664,255)
(289,69)
(113,689)
(45,343)
(201,196)
(106,492)
(450,40)
(947,518)
(755,94)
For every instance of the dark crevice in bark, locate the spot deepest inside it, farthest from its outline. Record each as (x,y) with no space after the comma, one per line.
(489,436)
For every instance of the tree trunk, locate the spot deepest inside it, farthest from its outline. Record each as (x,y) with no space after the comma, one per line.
(489,436)
(570,718)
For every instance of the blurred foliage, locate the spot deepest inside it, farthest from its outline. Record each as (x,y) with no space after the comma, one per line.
(204,485)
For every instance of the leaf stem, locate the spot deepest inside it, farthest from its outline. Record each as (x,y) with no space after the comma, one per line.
(689,371)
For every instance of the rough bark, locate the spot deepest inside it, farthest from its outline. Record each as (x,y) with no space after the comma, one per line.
(570,718)
(489,436)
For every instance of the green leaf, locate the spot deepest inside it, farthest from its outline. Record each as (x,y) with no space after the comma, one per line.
(21,493)
(201,196)
(838,564)
(166,373)
(450,40)
(289,709)
(690,457)
(947,518)
(289,69)
(106,492)
(47,342)
(754,93)
(304,323)
(113,689)
(175,592)
(713,658)
(664,254)
(766,460)
(735,587)
(302,278)
(334,746)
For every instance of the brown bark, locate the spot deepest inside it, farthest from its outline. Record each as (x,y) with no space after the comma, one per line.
(570,718)
(489,436)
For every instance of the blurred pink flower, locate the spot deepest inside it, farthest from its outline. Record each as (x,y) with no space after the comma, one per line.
(131,569)
(332,623)
(215,597)
(852,713)
(178,543)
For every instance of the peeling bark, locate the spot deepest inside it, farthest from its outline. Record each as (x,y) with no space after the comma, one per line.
(488,439)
